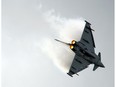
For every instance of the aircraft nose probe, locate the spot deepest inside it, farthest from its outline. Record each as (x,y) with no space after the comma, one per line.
(62,42)
(71,45)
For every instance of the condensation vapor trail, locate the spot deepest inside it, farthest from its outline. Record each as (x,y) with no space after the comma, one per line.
(65,30)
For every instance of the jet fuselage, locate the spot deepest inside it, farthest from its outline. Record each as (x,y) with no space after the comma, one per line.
(80,49)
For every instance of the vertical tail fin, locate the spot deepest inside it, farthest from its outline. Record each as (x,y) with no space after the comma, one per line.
(95,67)
(100,64)
(99,54)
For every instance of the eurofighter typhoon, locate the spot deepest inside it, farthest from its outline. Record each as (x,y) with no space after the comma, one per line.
(84,52)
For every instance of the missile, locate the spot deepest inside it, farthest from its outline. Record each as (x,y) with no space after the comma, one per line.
(92,29)
(77,74)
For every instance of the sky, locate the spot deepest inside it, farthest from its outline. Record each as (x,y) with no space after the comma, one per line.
(31,57)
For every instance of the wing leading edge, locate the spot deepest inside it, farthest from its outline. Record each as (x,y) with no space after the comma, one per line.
(87,37)
(77,65)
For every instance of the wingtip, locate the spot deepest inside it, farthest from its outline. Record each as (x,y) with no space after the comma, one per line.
(69,74)
(87,22)
(55,39)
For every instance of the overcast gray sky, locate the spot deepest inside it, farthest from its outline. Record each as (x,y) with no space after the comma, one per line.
(28,24)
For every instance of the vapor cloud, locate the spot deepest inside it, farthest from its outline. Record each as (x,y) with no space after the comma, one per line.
(65,30)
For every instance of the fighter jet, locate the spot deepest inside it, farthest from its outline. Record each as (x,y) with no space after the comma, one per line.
(84,52)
